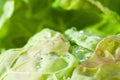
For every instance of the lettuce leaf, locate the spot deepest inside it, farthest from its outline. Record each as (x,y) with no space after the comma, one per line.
(83,43)
(104,64)
(45,56)
(91,53)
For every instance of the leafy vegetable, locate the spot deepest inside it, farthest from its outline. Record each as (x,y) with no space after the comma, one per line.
(104,64)
(88,51)
(46,54)
(84,43)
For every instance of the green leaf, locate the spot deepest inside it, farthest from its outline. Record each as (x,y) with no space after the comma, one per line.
(46,52)
(108,71)
(84,43)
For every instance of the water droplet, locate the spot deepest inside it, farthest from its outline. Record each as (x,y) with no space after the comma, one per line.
(37,68)
(38,63)
(81,32)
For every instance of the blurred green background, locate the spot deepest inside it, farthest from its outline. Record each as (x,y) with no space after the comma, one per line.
(20,19)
